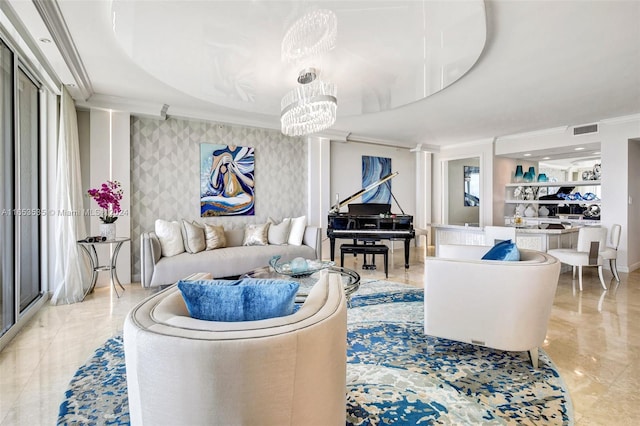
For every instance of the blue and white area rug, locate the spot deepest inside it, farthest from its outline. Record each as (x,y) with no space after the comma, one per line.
(395,374)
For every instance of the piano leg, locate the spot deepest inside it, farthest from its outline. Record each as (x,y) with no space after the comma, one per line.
(406,252)
(332,247)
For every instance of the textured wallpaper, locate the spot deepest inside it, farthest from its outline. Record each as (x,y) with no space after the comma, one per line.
(165,173)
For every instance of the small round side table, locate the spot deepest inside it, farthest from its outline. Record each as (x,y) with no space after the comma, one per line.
(89,249)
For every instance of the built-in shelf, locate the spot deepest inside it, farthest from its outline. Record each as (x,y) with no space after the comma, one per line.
(511,203)
(547,184)
(552,202)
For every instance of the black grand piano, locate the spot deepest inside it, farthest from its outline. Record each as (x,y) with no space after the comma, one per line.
(369,221)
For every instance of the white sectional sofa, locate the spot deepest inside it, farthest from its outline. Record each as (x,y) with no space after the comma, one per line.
(232,260)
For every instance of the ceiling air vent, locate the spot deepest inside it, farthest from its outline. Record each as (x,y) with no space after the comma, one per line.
(589,128)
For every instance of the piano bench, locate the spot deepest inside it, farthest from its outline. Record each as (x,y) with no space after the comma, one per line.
(365,249)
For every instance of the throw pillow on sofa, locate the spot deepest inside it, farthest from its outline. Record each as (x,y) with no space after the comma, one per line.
(215,237)
(193,237)
(504,250)
(256,235)
(238,300)
(279,233)
(170,236)
(296,234)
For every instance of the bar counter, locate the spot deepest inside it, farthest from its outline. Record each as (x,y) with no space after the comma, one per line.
(527,237)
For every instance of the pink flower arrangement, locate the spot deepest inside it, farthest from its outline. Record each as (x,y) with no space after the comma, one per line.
(108,197)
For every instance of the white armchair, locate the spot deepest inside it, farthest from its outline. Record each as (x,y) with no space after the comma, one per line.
(501,305)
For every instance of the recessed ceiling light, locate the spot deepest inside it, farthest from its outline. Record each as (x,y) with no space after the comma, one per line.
(527,155)
(596,153)
(44,40)
(546,158)
(70,85)
(580,148)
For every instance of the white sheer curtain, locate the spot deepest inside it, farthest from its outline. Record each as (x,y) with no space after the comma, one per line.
(70,270)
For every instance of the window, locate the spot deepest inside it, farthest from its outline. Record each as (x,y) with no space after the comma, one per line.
(19,190)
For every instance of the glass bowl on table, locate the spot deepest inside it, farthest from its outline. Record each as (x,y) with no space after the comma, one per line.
(299,267)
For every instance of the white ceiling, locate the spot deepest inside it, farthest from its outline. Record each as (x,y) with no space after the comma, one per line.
(545,64)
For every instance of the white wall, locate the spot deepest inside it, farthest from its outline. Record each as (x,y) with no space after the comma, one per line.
(109,159)
(422,216)
(346,172)
(618,185)
(319,196)
(633,214)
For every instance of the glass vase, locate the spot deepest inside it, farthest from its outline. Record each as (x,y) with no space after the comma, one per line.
(532,171)
(518,176)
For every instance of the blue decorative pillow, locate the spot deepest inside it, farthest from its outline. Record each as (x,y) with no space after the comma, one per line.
(238,300)
(504,250)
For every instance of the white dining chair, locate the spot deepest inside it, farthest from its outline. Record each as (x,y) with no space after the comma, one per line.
(585,253)
(610,252)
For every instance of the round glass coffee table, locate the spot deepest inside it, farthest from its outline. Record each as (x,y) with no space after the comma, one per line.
(350,280)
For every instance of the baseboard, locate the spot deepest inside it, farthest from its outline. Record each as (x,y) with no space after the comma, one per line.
(630,268)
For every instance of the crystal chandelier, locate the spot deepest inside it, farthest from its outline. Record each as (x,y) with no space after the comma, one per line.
(312,105)
(313,34)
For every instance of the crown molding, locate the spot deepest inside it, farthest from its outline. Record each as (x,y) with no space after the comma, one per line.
(619,120)
(476,143)
(535,133)
(333,134)
(16,36)
(256,120)
(150,109)
(51,15)
(375,141)
(421,147)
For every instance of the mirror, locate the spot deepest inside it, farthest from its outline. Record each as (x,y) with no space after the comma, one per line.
(471,186)
(462,192)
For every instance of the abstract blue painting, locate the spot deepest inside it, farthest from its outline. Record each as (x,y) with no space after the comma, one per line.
(226,180)
(374,168)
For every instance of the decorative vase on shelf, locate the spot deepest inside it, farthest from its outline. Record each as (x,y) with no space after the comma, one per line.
(528,177)
(530,211)
(108,230)
(542,177)
(532,171)
(518,176)
(597,171)
(543,211)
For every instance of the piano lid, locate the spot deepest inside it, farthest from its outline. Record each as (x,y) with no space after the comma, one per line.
(336,208)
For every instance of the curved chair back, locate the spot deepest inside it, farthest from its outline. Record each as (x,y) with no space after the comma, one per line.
(614,236)
(589,234)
